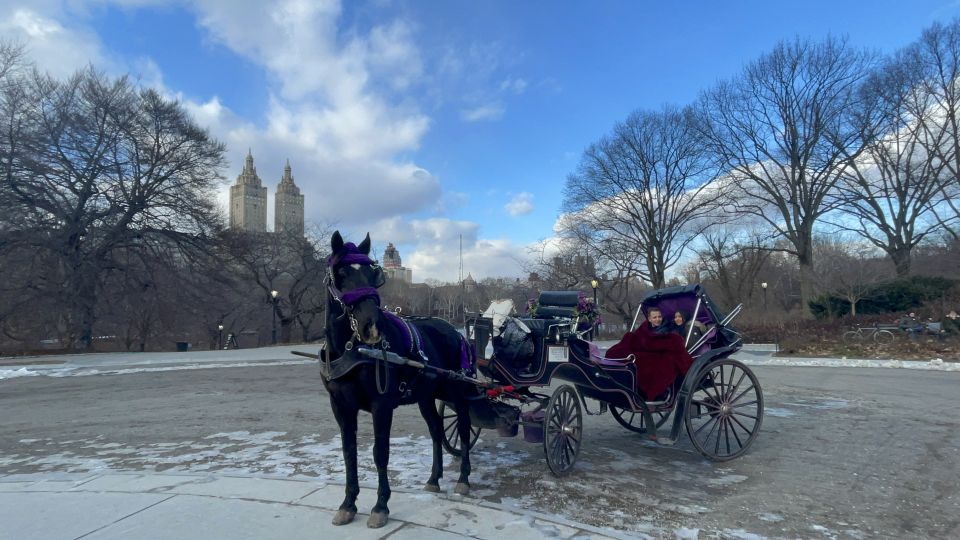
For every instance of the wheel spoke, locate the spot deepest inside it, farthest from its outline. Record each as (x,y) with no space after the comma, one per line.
(745,428)
(733,430)
(745,415)
(733,389)
(712,420)
(745,404)
(736,399)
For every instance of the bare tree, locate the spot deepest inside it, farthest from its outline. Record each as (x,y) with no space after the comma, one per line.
(639,195)
(934,60)
(849,269)
(778,130)
(889,196)
(733,259)
(90,166)
(289,263)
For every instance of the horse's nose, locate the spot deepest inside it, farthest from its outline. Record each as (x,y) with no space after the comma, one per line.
(370,333)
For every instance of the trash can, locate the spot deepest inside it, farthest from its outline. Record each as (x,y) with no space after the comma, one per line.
(183,346)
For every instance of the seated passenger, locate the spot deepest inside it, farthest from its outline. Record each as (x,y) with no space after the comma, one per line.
(660,355)
(657,324)
(683,325)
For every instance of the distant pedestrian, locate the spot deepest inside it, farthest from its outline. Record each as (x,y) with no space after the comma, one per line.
(951,324)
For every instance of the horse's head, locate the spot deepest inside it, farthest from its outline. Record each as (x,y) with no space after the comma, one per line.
(354,279)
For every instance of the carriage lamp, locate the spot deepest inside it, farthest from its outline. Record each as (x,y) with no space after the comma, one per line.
(273,304)
(219,336)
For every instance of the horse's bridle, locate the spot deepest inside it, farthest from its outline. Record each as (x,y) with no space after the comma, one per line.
(349,299)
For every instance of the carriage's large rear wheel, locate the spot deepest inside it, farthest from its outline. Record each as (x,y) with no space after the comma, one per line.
(724,410)
(634,421)
(451,435)
(562,429)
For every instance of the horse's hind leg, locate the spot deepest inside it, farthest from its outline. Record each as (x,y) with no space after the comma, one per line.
(463,427)
(428,410)
(382,422)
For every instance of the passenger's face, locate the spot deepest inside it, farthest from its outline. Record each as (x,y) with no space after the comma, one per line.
(678,318)
(655,318)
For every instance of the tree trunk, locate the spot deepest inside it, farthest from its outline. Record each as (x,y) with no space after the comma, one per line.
(853,305)
(901,261)
(807,284)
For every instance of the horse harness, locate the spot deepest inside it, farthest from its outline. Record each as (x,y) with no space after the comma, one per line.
(333,368)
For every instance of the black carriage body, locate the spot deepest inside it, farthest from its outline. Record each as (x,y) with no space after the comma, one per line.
(559,353)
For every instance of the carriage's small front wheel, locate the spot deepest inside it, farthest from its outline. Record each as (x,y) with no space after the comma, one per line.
(724,410)
(562,429)
(634,421)
(451,434)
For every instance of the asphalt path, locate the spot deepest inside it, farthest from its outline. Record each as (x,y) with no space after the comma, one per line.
(843,453)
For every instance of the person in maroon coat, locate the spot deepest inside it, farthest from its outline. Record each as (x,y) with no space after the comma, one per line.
(660,354)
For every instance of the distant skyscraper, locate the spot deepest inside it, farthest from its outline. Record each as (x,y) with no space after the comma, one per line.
(392,265)
(288,209)
(248,200)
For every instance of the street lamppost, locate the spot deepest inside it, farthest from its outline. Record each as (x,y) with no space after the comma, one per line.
(220,336)
(273,304)
(764,287)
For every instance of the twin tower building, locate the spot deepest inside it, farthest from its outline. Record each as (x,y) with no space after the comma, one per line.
(248,202)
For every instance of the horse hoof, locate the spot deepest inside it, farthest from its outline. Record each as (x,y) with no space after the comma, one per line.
(433,488)
(377,520)
(462,488)
(342,517)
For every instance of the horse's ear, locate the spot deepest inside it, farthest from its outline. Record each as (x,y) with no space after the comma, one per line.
(364,246)
(336,242)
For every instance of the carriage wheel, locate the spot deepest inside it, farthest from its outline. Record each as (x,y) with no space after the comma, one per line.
(634,421)
(724,410)
(562,429)
(451,436)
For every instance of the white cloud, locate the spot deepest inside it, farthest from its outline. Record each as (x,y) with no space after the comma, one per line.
(490,111)
(516,86)
(342,107)
(431,248)
(520,205)
(54,47)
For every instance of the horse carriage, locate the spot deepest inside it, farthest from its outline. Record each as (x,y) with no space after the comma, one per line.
(719,401)
(373,360)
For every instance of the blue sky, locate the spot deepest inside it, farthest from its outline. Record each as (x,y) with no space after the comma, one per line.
(424,121)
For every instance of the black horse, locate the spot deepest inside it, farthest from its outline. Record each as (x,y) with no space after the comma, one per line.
(355,381)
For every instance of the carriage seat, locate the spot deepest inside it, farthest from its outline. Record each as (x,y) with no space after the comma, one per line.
(706,342)
(557,304)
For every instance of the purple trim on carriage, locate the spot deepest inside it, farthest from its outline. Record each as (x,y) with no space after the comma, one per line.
(598,358)
(360,293)
(468,356)
(405,331)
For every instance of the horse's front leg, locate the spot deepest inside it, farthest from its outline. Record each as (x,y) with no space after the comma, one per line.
(429,412)
(463,427)
(382,412)
(346,415)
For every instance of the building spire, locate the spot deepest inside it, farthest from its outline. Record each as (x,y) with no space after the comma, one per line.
(287,174)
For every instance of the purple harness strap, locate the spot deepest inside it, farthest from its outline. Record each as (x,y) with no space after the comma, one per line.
(352,297)
(406,330)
